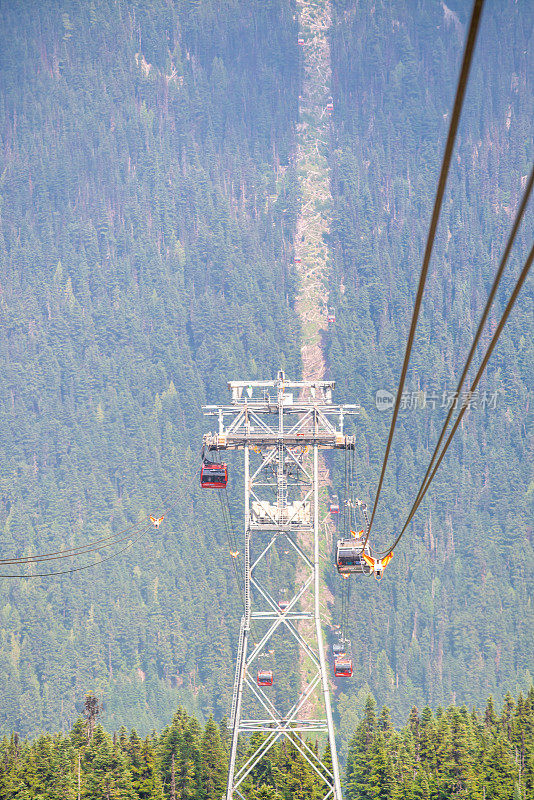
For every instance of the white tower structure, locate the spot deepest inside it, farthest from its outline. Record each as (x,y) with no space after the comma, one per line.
(281,425)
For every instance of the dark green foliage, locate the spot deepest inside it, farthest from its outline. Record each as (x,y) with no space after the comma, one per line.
(213,769)
(472,761)
(468,761)
(452,620)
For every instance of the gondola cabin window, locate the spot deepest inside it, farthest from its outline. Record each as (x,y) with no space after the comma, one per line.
(343,668)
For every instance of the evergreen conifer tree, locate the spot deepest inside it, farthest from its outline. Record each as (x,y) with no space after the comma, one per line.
(213,762)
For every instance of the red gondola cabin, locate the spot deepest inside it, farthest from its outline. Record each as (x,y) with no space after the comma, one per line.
(334,504)
(300,40)
(283,604)
(265,677)
(213,475)
(343,667)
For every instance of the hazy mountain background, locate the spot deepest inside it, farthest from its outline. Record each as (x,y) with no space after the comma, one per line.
(148,207)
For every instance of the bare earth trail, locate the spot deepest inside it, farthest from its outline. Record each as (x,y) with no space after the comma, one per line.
(313,131)
(311,250)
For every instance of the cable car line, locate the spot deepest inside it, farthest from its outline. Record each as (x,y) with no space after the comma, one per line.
(78,569)
(346,494)
(445,164)
(506,313)
(57,554)
(232,543)
(60,554)
(131,541)
(133,536)
(214,475)
(515,227)
(106,541)
(218,477)
(345,620)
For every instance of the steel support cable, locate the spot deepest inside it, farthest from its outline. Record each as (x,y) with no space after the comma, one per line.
(348,517)
(352,466)
(343,625)
(348,605)
(29,560)
(425,485)
(106,541)
(77,569)
(345,608)
(495,285)
(131,539)
(343,604)
(232,546)
(232,531)
(445,164)
(90,547)
(344,523)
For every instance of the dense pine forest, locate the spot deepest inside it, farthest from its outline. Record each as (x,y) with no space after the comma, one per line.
(148,203)
(143,263)
(452,753)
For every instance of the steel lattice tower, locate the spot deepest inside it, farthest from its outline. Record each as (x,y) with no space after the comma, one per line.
(281,426)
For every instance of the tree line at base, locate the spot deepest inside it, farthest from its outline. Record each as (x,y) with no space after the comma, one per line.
(446,754)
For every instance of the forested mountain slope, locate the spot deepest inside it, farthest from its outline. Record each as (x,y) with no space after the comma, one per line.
(146,242)
(452,619)
(144,252)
